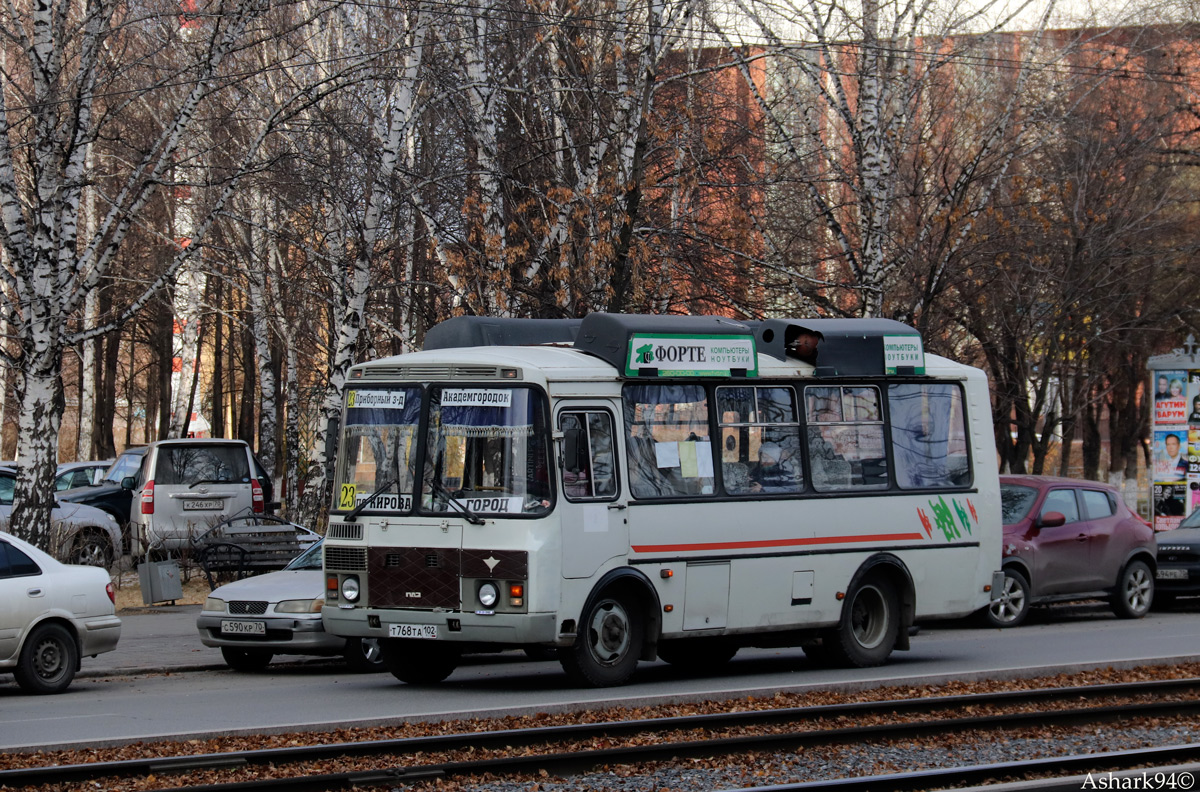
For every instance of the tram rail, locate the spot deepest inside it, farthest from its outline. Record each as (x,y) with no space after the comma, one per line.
(392,761)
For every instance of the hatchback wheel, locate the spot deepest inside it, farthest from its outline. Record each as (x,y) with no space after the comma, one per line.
(1135,591)
(1012,606)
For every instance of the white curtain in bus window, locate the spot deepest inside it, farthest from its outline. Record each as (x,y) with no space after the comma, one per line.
(929,436)
(760,436)
(845,438)
(378,448)
(487,451)
(670,452)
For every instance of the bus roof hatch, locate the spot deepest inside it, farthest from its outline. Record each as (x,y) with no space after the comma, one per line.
(846,347)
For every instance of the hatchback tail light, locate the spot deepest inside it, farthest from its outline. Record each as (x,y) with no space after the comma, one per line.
(148,498)
(256,496)
(112,595)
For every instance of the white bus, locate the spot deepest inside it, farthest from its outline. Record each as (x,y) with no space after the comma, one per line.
(627,487)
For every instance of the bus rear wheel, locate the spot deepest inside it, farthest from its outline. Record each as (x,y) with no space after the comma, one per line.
(870,622)
(608,645)
(418,662)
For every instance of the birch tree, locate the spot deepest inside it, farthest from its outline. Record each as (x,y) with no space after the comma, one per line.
(862,97)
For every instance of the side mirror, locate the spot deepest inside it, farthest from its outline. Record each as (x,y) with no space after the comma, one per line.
(1052,520)
(127,483)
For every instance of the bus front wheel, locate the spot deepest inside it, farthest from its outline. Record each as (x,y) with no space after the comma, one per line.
(870,622)
(608,644)
(418,662)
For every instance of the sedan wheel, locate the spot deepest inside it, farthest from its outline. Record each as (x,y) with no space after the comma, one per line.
(92,548)
(363,655)
(48,660)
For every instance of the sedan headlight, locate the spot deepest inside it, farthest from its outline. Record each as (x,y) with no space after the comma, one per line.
(301,606)
(214,604)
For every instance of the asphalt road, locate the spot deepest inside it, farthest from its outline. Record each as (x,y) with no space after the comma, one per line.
(161,682)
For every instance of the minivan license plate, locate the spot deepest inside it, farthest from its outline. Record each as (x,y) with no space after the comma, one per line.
(1172,574)
(412,631)
(211,503)
(243,627)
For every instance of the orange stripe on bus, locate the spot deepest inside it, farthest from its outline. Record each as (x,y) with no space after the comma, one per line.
(815,540)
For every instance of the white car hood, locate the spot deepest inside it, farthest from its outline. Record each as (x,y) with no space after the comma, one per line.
(274,586)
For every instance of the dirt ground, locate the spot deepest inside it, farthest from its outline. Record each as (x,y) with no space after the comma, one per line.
(129,591)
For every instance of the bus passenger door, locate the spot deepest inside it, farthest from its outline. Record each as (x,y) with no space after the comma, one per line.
(592,507)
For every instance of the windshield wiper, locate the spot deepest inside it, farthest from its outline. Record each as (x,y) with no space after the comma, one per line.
(471,516)
(208,481)
(387,485)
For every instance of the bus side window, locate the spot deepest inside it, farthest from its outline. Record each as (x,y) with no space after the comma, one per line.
(761,440)
(670,454)
(845,438)
(588,466)
(929,436)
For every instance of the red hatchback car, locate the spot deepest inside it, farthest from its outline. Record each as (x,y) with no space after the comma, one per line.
(1070,540)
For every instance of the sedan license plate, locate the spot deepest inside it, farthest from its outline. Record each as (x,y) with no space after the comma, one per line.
(1171,574)
(412,631)
(237,627)
(210,503)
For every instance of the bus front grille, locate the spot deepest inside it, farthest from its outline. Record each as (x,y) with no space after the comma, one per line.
(345,559)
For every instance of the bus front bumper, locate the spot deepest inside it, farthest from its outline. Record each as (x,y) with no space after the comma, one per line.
(464,627)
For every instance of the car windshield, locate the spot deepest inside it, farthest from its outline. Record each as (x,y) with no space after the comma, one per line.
(1015,502)
(1192,520)
(378,449)
(488,451)
(125,466)
(309,559)
(188,465)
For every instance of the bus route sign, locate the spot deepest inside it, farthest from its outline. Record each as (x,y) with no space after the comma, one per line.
(692,355)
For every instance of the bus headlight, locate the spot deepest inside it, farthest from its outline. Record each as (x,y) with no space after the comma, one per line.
(488,595)
(350,589)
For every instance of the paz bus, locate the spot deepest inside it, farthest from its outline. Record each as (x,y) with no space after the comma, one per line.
(631,487)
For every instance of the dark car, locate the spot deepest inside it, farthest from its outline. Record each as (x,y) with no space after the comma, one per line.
(1178,561)
(1070,540)
(108,495)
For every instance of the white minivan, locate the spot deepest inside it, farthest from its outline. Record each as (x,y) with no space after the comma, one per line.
(186,486)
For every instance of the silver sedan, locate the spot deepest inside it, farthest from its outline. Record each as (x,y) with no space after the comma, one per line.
(51,616)
(254,619)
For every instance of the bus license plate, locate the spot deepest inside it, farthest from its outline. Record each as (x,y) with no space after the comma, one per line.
(211,503)
(243,627)
(1171,574)
(412,631)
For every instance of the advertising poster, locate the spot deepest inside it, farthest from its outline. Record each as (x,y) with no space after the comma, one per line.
(1170,503)
(1170,398)
(1170,455)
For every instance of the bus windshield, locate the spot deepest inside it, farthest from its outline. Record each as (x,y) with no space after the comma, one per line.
(488,451)
(378,450)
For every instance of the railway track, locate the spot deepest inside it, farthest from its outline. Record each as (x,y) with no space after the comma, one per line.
(569,750)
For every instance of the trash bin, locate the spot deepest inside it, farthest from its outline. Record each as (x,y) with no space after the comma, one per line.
(160,581)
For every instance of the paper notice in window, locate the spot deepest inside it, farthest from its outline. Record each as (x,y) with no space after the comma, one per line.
(666,455)
(687,460)
(704,460)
